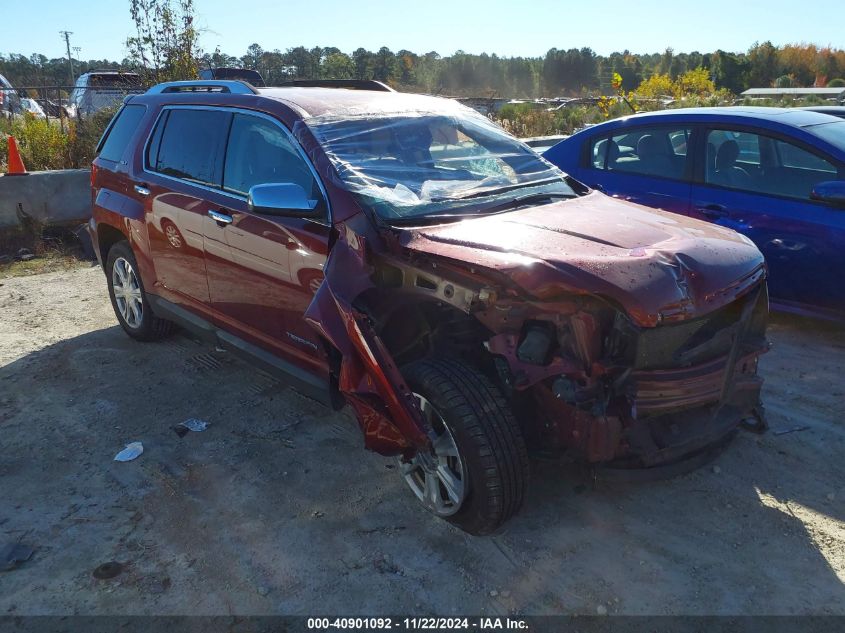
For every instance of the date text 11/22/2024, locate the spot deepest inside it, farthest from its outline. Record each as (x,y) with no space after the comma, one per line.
(417,623)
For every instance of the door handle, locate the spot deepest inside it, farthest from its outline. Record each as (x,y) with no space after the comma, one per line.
(142,189)
(711,210)
(221,218)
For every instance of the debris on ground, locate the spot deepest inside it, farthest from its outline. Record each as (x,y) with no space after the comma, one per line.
(757,423)
(13,554)
(192,424)
(25,255)
(107,570)
(794,429)
(132,450)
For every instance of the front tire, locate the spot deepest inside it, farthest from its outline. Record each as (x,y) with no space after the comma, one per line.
(130,303)
(477,472)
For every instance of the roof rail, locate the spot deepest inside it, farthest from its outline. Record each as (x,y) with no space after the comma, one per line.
(349,84)
(230,86)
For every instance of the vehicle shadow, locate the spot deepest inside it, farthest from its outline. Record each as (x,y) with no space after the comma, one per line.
(276,508)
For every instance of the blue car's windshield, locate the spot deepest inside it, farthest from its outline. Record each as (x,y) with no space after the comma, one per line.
(833,133)
(412,165)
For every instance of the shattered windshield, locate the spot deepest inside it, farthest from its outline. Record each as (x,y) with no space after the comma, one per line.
(412,165)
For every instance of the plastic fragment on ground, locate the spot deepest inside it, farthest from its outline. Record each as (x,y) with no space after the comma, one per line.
(132,450)
(192,424)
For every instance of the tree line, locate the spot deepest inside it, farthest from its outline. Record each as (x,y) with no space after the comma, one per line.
(561,72)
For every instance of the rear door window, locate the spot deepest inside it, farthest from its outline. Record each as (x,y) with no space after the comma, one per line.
(190,146)
(117,138)
(649,151)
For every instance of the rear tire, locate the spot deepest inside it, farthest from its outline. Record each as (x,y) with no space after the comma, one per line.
(491,450)
(128,298)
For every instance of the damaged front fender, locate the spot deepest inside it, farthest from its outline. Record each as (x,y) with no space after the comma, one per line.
(366,374)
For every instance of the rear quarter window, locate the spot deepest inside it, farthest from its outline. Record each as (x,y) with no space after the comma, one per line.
(120,132)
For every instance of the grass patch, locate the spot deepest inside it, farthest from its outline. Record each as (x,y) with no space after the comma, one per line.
(36,251)
(48,264)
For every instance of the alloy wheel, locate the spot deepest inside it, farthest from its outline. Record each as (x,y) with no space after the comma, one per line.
(438,478)
(127,293)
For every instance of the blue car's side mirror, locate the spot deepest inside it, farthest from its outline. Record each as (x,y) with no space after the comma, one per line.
(831,192)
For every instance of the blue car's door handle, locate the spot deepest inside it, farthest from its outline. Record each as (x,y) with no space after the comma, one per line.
(711,210)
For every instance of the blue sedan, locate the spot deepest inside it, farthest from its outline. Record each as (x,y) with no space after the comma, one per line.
(775,175)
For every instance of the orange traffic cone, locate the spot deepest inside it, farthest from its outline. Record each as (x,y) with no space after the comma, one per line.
(16,166)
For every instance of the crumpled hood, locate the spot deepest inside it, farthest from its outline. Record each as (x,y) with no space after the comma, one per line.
(655,265)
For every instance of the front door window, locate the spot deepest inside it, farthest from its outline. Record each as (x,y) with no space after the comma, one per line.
(761,164)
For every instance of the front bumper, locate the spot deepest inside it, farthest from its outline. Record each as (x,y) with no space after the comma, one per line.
(675,390)
(676,414)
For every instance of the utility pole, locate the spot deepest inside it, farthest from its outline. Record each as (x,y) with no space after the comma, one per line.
(67,35)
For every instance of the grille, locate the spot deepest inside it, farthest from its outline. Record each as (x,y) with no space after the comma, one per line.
(700,340)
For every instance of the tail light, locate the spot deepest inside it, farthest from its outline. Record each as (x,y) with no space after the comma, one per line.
(93,175)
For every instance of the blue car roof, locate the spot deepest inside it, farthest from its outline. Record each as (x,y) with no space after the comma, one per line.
(783,119)
(785,116)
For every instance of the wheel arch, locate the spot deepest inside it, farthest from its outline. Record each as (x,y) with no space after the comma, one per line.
(413,326)
(107,237)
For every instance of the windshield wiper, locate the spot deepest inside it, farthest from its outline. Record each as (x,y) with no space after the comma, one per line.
(497,190)
(528,199)
(490,210)
(412,220)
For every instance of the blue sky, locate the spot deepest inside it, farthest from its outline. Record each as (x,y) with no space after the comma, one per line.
(506,27)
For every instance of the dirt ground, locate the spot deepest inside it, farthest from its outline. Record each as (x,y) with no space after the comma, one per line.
(277,509)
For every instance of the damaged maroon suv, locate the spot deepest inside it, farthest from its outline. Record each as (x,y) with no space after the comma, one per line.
(403,255)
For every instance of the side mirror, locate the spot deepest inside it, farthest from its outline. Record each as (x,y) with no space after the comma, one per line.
(277,198)
(830,191)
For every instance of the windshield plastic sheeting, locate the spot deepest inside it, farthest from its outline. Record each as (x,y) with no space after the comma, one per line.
(414,164)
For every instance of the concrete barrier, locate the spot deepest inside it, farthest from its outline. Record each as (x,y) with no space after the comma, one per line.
(48,198)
